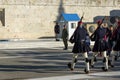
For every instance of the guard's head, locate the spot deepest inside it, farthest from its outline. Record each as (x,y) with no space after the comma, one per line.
(64,26)
(80,23)
(116,19)
(105,25)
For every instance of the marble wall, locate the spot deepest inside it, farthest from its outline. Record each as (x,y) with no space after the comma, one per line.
(32,19)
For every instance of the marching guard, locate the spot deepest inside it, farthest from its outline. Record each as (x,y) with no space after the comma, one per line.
(100,45)
(80,46)
(116,48)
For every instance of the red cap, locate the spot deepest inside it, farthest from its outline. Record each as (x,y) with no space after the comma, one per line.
(118,23)
(99,21)
(80,22)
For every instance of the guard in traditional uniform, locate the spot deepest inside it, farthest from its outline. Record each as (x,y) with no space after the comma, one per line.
(116,48)
(100,45)
(80,46)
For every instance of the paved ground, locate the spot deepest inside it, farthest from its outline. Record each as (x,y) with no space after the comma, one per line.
(45,59)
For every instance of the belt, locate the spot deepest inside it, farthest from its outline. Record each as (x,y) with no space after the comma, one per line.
(101,40)
(82,41)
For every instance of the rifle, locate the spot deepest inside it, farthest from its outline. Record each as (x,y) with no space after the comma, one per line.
(71,38)
(92,37)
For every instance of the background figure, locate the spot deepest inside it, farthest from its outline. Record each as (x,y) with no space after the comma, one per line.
(115,25)
(65,37)
(116,48)
(80,46)
(110,42)
(57,31)
(100,45)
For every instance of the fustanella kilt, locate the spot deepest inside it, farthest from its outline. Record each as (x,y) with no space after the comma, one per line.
(80,47)
(100,46)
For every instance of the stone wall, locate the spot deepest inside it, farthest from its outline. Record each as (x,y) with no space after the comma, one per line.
(32,19)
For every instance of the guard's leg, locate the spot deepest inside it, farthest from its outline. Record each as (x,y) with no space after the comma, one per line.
(87,69)
(66,44)
(74,60)
(113,58)
(93,60)
(57,37)
(108,56)
(117,55)
(109,61)
(105,61)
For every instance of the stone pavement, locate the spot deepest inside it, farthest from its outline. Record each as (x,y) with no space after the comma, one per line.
(45,59)
(92,76)
(37,43)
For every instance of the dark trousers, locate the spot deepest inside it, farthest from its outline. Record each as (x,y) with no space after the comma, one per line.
(65,43)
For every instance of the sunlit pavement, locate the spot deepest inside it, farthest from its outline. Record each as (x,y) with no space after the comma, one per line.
(92,76)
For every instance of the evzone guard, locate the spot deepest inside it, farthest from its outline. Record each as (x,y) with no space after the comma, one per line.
(100,46)
(80,46)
